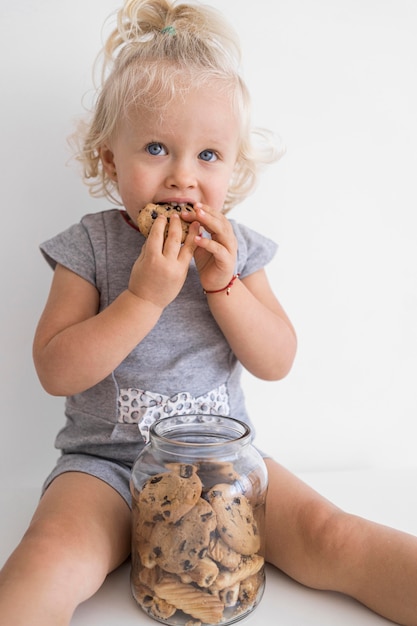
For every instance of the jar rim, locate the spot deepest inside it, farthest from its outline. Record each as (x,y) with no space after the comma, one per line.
(220,430)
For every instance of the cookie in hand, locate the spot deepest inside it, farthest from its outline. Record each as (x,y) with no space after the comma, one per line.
(150,212)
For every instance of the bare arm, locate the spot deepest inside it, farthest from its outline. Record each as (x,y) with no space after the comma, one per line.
(251,318)
(75,347)
(256,327)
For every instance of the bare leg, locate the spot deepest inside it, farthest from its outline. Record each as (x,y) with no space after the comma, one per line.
(323,547)
(78,534)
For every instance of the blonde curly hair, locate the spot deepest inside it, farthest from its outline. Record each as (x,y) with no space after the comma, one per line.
(158,49)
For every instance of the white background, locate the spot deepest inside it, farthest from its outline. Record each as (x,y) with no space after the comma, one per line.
(336,79)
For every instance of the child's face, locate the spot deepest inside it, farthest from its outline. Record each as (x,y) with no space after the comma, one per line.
(185,154)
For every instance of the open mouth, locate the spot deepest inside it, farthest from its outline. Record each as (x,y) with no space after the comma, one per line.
(178,206)
(173,206)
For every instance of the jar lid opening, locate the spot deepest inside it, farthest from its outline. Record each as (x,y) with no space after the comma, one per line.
(201,430)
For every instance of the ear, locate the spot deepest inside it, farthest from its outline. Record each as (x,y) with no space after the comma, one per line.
(107,159)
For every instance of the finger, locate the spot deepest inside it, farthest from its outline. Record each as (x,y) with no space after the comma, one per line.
(187,215)
(222,256)
(157,232)
(190,243)
(214,222)
(174,235)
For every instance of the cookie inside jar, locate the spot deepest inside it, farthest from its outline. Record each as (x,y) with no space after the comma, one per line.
(198,533)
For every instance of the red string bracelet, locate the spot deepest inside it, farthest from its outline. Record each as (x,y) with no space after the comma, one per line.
(227,288)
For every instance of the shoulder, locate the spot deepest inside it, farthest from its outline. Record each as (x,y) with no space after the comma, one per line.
(76,248)
(254,249)
(108,216)
(83,233)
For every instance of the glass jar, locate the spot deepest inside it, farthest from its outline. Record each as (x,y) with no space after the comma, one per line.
(198,539)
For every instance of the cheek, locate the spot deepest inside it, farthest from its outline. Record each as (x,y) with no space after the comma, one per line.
(224,186)
(217,198)
(131,181)
(128,192)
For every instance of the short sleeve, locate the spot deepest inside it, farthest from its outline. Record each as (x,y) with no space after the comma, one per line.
(72,248)
(255,251)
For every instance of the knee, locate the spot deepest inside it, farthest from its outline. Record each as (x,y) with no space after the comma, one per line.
(60,551)
(327,534)
(53,534)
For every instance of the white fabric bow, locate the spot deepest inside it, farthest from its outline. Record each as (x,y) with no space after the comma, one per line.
(143,408)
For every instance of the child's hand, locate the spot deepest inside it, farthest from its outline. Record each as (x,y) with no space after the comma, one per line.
(215,257)
(162,266)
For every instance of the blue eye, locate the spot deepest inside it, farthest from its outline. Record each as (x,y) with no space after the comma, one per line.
(156,149)
(208,155)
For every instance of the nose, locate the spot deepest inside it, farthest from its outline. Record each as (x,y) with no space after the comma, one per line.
(181,175)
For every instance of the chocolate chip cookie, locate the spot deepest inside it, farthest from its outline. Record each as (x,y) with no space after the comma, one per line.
(150,212)
(236,524)
(168,496)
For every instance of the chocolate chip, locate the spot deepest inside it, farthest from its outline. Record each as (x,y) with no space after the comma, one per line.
(186,471)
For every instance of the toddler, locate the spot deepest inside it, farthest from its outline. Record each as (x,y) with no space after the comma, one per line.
(131,322)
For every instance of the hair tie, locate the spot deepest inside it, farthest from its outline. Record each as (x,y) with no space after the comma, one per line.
(169,30)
